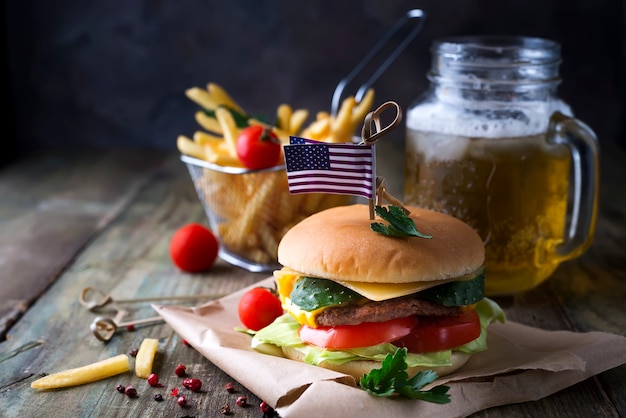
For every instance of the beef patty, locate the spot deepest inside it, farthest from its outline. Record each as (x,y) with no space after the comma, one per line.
(385,310)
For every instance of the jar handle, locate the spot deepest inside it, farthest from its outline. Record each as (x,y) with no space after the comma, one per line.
(583,145)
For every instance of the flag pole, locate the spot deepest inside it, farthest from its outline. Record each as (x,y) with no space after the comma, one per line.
(374,187)
(369,137)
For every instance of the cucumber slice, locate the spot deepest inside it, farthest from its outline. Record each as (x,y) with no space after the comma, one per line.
(458,293)
(311,293)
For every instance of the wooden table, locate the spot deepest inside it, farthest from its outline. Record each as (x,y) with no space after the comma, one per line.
(104,219)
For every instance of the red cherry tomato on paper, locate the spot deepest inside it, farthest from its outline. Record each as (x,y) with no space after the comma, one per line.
(193,248)
(258,147)
(434,333)
(258,308)
(362,335)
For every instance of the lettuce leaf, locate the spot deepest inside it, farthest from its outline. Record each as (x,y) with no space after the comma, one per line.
(283,332)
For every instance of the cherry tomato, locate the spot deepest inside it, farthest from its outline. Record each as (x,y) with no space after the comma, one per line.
(258,308)
(193,248)
(362,335)
(435,333)
(258,147)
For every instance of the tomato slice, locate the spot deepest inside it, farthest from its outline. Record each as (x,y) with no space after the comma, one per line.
(436,333)
(361,335)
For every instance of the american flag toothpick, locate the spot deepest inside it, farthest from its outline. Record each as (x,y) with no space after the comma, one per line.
(320,167)
(338,168)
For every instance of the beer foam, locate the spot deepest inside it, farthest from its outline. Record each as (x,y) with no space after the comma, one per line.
(529,118)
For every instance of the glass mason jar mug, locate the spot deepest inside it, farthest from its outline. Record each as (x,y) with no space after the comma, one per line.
(492,144)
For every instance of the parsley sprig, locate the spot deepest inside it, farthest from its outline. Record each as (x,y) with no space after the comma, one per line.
(392,379)
(400,225)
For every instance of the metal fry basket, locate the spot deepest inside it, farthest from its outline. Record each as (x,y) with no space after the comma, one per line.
(249,211)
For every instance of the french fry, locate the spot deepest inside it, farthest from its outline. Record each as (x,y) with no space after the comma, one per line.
(298,117)
(220,155)
(208,123)
(362,108)
(318,130)
(253,121)
(84,374)
(283,115)
(145,357)
(283,136)
(203,138)
(341,125)
(258,255)
(201,97)
(229,129)
(222,97)
(246,222)
(287,204)
(188,147)
(269,241)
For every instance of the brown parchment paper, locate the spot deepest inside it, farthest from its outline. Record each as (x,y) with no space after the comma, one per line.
(521,364)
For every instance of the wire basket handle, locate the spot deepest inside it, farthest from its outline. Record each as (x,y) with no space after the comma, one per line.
(413,16)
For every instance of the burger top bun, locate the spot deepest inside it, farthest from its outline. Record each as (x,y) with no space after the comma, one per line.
(339,244)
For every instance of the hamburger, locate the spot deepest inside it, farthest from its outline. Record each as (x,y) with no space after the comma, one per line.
(352,295)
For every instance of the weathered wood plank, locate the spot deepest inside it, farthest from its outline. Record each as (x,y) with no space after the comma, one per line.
(51,205)
(129,258)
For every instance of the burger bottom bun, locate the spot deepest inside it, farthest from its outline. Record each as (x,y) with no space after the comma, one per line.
(358,368)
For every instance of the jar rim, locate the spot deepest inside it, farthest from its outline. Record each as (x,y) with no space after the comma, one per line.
(497,49)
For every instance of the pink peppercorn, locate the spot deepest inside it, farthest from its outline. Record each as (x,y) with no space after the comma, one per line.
(192,384)
(153,379)
(180,370)
(131,392)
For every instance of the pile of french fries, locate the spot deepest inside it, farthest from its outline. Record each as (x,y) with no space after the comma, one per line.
(222,120)
(250,212)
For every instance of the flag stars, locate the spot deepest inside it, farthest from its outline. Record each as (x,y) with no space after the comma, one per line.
(307,157)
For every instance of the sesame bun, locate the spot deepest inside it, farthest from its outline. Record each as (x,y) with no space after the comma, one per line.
(358,368)
(338,244)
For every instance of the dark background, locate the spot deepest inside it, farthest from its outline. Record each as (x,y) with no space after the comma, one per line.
(113,73)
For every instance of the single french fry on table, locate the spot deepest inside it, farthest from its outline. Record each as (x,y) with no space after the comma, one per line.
(208,123)
(145,357)
(201,97)
(85,374)
(223,98)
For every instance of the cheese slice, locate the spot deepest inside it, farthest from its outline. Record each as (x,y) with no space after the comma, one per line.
(286,278)
(301,316)
(383,291)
